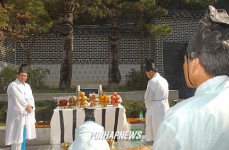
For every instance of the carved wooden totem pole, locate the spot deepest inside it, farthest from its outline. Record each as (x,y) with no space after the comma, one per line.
(114,75)
(66,30)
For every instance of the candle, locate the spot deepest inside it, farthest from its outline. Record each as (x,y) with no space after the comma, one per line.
(78,88)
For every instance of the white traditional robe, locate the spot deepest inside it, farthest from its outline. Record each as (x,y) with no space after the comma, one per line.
(156,101)
(200,122)
(17,115)
(83,136)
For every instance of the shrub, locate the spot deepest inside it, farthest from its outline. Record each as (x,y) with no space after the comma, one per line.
(44,110)
(137,80)
(7,75)
(3,114)
(133,108)
(3,104)
(35,77)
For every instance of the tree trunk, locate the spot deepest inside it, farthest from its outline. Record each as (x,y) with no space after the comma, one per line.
(27,51)
(66,30)
(114,75)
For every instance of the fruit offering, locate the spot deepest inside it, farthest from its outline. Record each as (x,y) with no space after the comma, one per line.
(62,102)
(71,102)
(104,100)
(93,99)
(115,98)
(81,99)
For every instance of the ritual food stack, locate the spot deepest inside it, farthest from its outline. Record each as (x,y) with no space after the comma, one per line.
(81,99)
(93,100)
(103,100)
(115,99)
(62,102)
(71,102)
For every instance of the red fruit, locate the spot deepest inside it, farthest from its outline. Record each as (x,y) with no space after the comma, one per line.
(115,94)
(117,97)
(112,101)
(113,97)
(117,101)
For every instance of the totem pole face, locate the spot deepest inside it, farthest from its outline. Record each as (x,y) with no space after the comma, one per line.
(66,18)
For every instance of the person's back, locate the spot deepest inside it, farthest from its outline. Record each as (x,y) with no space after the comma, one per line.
(202,121)
(156,100)
(84,137)
(162,88)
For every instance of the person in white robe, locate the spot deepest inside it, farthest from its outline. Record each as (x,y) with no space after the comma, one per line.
(156,100)
(21,111)
(85,138)
(202,121)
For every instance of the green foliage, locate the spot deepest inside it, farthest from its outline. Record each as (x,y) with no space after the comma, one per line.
(3,104)
(137,80)
(44,110)
(35,77)
(7,75)
(3,114)
(24,18)
(143,13)
(133,108)
(46,103)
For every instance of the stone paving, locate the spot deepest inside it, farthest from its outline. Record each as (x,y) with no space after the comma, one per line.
(123,144)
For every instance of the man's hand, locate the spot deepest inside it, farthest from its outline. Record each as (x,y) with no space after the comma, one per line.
(29,108)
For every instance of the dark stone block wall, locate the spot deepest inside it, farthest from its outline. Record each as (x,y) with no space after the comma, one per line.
(169,52)
(173,59)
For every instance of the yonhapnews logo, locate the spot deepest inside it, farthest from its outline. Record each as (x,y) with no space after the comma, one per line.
(121,135)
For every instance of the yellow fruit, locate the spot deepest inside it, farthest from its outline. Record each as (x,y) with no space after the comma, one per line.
(82,94)
(78,103)
(101,97)
(78,98)
(84,98)
(84,102)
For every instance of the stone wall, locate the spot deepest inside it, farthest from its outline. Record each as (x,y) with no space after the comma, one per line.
(90,55)
(183,29)
(171,50)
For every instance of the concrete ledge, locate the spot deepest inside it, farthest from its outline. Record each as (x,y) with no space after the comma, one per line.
(43,136)
(133,95)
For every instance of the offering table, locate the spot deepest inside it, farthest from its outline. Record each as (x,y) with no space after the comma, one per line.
(64,121)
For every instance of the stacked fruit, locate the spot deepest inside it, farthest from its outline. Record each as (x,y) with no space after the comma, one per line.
(63,102)
(71,102)
(93,100)
(115,98)
(81,99)
(104,99)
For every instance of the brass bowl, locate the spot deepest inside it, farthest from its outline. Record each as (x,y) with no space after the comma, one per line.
(179,100)
(65,145)
(110,142)
(115,105)
(103,105)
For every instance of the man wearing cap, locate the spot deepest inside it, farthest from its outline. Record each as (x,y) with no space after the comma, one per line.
(20,122)
(156,100)
(202,121)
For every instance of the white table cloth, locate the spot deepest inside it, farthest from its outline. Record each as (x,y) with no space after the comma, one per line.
(64,121)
